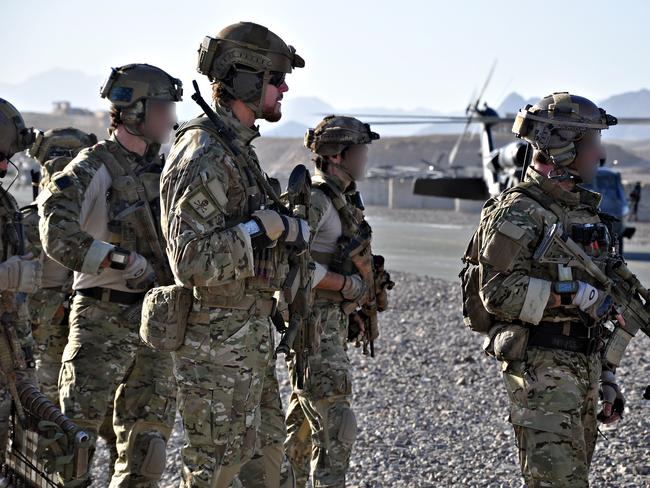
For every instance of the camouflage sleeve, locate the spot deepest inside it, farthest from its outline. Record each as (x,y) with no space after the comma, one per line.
(508,238)
(60,207)
(202,247)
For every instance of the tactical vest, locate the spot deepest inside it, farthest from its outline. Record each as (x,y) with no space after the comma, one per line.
(134,188)
(12,241)
(572,219)
(270,264)
(350,211)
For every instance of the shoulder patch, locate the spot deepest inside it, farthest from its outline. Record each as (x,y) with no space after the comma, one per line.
(63,182)
(201,203)
(511,230)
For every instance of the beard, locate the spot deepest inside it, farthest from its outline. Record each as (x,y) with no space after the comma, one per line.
(3,173)
(272,114)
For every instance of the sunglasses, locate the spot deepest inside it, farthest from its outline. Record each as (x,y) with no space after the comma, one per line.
(277,78)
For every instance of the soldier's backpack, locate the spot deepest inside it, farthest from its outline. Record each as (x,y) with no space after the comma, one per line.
(475,316)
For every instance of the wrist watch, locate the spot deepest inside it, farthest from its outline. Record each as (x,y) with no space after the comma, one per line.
(566,290)
(119,258)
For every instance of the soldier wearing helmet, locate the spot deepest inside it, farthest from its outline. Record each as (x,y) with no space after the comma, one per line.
(339,232)
(19,273)
(100,218)
(227,244)
(547,319)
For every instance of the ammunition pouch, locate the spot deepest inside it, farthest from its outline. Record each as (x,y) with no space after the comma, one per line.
(165,311)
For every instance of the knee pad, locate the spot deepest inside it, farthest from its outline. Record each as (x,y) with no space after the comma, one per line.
(155,459)
(348,428)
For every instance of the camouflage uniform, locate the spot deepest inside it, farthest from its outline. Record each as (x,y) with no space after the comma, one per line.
(14,272)
(211,187)
(548,318)
(321,424)
(48,306)
(326,399)
(221,368)
(104,358)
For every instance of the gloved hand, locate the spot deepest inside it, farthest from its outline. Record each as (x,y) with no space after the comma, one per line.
(276,227)
(594,302)
(612,398)
(355,289)
(20,274)
(139,273)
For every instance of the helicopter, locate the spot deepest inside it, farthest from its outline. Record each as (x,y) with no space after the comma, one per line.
(503,167)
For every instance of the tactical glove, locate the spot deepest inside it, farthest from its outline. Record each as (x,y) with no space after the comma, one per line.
(20,274)
(594,302)
(610,394)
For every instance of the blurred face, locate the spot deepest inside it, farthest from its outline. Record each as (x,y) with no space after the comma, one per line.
(352,161)
(160,120)
(272,108)
(590,151)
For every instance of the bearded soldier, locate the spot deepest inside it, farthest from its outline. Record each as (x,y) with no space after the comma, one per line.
(19,273)
(546,318)
(99,218)
(227,241)
(340,237)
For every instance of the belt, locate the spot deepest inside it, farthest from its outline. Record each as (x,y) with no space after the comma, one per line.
(567,336)
(262,307)
(112,296)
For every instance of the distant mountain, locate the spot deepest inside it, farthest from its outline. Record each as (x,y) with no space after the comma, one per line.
(513,102)
(37,93)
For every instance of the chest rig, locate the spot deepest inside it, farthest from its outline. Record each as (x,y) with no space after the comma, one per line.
(354,228)
(12,241)
(583,223)
(134,206)
(253,193)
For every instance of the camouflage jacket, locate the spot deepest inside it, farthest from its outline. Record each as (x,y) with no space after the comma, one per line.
(12,243)
(513,285)
(207,193)
(80,210)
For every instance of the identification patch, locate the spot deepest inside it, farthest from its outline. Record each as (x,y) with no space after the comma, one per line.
(202,204)
(63,182)
(121,94)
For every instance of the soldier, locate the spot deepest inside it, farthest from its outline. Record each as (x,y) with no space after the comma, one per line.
(19,273)
(339,232)
(547,319)
(98,218)
(53,149)
(227,244)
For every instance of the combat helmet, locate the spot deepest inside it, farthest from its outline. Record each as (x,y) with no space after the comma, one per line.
(557,123)
(66,142)
(336,132)
(14,136)
(245,57)
(130,86)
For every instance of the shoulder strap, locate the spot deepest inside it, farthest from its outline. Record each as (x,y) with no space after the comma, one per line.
(337,199)
(204,123)
(540,197)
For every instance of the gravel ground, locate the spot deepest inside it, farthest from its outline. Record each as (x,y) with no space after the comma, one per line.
(432,408)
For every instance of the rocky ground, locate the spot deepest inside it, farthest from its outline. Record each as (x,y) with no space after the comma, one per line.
(432,408)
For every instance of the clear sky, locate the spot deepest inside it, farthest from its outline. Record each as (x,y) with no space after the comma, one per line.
(403,53)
